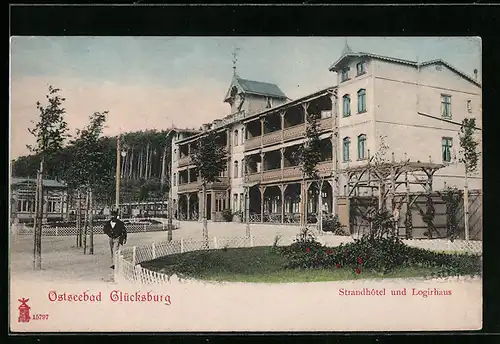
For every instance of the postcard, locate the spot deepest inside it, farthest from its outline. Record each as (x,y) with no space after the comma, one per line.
(249,184)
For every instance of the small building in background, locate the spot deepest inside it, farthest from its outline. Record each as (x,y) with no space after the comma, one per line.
(22,200)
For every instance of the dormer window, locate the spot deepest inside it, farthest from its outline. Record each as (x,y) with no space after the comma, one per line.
(345,74)
(360,68)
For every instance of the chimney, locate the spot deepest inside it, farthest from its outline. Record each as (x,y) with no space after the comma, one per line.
(475,74)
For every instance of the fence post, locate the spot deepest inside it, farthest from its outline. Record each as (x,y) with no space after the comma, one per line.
(57,231)
(144,227)
(215,242)
(251,240)
(163,226)
(133,255)
(153,249)
(182,245)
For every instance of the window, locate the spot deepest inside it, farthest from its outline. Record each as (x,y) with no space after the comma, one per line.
(236,169)
(345,74)
(360,68)
(445,106)
(361,100)
(235,141)
(346,143)
(347,105)
(242,136)
(174,179)
(361,147)
(242,204)
(242,168)
(269,103)
(469,106)
(446,144)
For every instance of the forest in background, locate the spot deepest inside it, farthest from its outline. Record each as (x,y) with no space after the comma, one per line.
(144,169)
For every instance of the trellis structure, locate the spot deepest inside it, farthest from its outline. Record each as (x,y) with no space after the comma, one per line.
(386,177)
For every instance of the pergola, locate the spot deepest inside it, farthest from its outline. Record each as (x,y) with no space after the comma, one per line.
(387,176)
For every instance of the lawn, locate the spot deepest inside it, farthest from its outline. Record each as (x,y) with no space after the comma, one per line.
(260,264)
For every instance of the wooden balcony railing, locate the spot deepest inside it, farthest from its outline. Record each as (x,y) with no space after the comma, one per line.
(188,187)
(326,124)
(271,138)
(292,172)
(252,143)
(271,175)
(184,161)
(295,132)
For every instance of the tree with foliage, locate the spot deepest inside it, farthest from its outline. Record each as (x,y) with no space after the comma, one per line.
(50,132)
(309,156)
(90,168)
(470,158)
(209,158)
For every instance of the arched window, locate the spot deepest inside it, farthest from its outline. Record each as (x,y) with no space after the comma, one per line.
(236,169)
(242,136)
(362,146)
(346,144)
(347,105)
(362,100)
(235,141)
(242,168)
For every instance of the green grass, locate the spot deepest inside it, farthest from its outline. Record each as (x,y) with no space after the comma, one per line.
(260,265)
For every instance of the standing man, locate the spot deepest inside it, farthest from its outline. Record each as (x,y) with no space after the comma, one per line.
(115,230)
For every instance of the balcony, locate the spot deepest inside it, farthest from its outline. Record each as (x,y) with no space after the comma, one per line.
(270,175)
(271,138)
(252,143)
(221,183)
(295,132)
(325,168)
(189,187)
(185,161)
(326,124)
(292,172)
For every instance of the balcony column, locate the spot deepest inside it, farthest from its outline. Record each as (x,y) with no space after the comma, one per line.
(188,197)
(262,154)
(282,189)
(305,106)
(282,115)
(228,140)
(189,149)
(335,153)
(282,151)
(262,121)
(262,190)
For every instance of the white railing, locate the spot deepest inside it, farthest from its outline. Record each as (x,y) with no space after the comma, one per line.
(23,229)
(128,260)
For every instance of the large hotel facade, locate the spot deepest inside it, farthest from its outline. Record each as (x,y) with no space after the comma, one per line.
(415,108)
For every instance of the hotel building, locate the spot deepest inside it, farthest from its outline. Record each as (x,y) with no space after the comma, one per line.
(415,107)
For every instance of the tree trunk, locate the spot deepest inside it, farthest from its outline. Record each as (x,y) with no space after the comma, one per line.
(205,226)
(146,165)
(37,259)
(141,163)
(86,222)
(91,225)
(466,206)
(78,219)
(131,165)
(163,164)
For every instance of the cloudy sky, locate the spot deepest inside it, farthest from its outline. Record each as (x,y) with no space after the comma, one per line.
(154,82)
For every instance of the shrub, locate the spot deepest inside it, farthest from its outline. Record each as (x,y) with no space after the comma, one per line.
(332,224)
(227,215)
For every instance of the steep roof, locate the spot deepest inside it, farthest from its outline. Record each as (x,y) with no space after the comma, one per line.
(346,55)
(255,87)
(51,183)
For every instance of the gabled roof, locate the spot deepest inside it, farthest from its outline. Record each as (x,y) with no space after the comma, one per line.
(51,183)
(337,64)
(255,87)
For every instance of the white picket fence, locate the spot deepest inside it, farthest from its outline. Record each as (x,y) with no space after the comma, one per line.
(23,229)
(128,260)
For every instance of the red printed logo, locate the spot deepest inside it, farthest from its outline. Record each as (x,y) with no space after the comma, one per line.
(24,311)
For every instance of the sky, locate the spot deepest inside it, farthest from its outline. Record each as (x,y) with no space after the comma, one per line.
(157,82)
